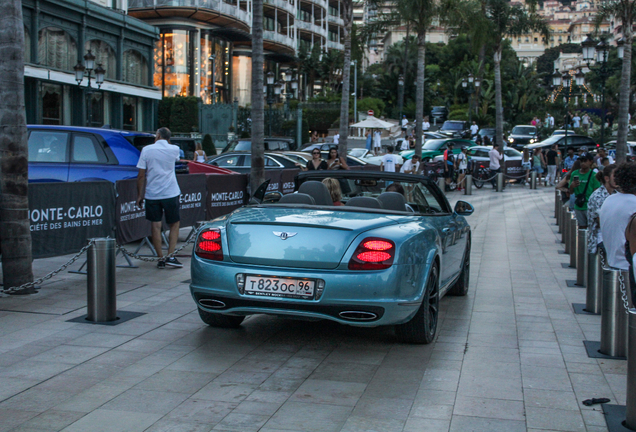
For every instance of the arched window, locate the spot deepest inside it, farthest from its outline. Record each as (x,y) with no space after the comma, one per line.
(27,45)
(56,49)
(104,55)
(135,68)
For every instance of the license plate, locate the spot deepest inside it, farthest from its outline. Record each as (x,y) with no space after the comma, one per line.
(279,287)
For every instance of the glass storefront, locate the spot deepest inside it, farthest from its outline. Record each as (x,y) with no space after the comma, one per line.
(51,104)
(183,65)
(173,69)
(130,113)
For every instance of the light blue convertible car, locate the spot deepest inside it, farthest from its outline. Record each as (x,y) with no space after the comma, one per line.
(386,257)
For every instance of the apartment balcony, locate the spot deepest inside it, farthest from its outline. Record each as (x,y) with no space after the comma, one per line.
(335,45)
(282,5)
(279,43)
(215,12)
(322,3)
(333,19)
(310,27)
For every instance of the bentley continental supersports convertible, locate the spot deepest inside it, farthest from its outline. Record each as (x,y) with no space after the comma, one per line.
(385,257)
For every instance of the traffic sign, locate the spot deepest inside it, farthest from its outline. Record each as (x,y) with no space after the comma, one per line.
(370,112)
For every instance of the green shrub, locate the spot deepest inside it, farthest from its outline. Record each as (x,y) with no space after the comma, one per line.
(208,145)
(375,104)
(184,114)
(458,114)
(163,112)
(320,119)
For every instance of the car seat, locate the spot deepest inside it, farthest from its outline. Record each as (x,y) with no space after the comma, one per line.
(318,191)
(297,198)
(393,201)
(367,202)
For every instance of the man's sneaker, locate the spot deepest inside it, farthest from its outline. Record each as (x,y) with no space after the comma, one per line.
(172,262)
(161,264)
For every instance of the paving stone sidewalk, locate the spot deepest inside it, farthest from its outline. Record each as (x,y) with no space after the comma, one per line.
(509,356)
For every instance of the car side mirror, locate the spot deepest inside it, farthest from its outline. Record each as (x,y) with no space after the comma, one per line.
(463,208)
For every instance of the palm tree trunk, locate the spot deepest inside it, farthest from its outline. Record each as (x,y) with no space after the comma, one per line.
(419,92)
(346,77)
(623,101)
(15,234)
(257,171)
(498,103)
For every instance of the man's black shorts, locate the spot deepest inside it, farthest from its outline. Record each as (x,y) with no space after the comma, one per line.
(449,172)
(155,209)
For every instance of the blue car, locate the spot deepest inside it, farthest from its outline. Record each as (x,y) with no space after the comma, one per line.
(68,153)
(385,257)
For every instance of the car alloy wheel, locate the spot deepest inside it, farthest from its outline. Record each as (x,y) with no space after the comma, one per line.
(421,329)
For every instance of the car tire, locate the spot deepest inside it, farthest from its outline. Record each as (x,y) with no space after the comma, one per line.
(220,320)
(421,329)
(478,183)
(460,287)
(427,159)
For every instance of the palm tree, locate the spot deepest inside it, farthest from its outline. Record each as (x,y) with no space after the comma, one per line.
(347,17)
(418,16)
(489,23)
(257,171)
(625,10)
(15,234)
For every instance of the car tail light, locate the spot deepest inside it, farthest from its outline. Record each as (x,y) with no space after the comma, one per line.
(209,245)
(373,254)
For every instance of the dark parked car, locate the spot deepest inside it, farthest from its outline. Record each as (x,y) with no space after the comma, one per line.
(68,153)
(455,129)
(188,145)
(439,113)
(241,162)
(271,144)
(487,132)
(576,141)
(522,135)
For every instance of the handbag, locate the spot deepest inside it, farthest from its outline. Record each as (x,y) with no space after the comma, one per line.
(580,199)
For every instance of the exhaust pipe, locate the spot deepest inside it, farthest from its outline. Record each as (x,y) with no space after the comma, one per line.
(212,304)
(358,315)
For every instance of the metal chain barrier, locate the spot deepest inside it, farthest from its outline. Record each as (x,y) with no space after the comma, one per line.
(621,284)
(153,259)
(13,290)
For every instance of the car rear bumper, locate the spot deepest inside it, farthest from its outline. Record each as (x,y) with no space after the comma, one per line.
(366,299)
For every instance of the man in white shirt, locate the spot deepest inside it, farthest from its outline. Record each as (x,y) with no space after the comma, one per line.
(549,121)
(157,185)
(615,214)
(405,123)
(336,138)
(377,142)
(390,162)
(495,156)
(425,124)
(474,129)
(411,166)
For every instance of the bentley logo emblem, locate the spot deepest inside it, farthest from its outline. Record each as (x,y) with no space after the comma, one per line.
(284,235)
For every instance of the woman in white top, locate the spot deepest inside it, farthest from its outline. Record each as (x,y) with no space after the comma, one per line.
(199,154)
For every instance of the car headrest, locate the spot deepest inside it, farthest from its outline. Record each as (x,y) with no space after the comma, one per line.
(393,201)
(297,198)
(318,191)
(363,201)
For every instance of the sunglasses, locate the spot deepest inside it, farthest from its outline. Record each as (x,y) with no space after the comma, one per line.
(315,153)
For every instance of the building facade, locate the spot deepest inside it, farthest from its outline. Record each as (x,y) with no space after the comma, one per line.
(58,34)
(205,45)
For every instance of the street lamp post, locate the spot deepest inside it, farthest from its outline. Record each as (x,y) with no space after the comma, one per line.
(565,81)
(354,63)
(270,100)
(88,67)
(599,53)
(470,85)
(212,58)
(400,96)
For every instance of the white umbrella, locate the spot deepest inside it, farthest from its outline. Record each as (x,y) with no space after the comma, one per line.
(373,123)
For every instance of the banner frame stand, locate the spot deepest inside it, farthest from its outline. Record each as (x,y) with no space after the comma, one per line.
(129,265)
(146,242)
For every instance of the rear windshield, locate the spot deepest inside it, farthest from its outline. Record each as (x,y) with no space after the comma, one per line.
(140,141)
(452,126)
(239,146)
(523,130)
